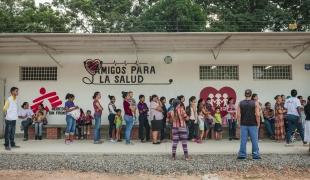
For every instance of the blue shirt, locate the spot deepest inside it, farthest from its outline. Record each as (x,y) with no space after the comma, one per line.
(69,104)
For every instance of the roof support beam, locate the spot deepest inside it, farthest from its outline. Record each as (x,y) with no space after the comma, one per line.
(135,47)
(305,46)
(45,48)
(218,47)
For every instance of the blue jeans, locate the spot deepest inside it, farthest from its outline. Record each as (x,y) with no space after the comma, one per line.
(38,128)
(129,125)
(251,131)
(232,124)
(9,133)
(269,125)
(97,136)
(70,129)
(293,122)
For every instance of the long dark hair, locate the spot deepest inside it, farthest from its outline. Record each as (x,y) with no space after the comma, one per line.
(191,99)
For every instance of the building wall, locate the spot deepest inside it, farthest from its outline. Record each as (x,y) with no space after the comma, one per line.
(184,71)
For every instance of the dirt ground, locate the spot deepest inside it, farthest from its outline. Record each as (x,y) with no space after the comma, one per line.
(254,173)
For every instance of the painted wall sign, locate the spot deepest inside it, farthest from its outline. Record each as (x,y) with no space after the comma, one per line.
(50,101)
(219,97)
(116,73)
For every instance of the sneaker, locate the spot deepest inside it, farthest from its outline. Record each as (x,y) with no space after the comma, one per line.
(241,158)
(97,142)
(25,139)
(230,139)
(304,143)
(67,142)
(15,146)
(7,148)
(112,141)
(257,158)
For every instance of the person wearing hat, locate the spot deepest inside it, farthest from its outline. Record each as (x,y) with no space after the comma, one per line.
(248,117)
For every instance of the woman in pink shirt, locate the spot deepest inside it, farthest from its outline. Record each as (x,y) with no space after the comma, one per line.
(178,118)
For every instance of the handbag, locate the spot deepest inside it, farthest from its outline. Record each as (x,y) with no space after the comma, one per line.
(44,121)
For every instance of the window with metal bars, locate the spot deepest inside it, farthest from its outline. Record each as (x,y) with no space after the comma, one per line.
(272,72)
(38,73)
(219,72)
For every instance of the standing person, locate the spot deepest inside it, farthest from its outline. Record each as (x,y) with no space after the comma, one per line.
(269,120)
(38,124)
(302,112)
(118,124)
(97,115)
(178,118)
(192,124)
(307,122)
(170,104)
(11,115)
(133,105)
(143,121)
(156,115)
(201,106)
(248,117)
(111,118)
(218,123)
(181,98)
(279,119)
(25,114)
(169,125)
(231,118)
(201,122)
(128,117)
(69,107)
(164,108)
(80,125)
(293,107)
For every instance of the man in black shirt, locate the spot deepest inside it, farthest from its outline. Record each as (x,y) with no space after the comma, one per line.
(248,117)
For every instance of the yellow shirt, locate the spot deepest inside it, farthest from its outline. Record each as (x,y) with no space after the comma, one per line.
(218,118)
(7,104)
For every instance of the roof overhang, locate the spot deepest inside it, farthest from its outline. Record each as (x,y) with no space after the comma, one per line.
(136,42)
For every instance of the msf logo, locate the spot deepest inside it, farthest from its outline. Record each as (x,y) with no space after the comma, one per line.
(49,100)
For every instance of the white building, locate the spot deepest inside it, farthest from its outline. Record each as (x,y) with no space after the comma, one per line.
(267,63)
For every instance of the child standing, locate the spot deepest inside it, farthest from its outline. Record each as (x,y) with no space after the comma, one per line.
(201,123)
(218,123)
(88,122)
(80,123)
(38,124)
(118,123)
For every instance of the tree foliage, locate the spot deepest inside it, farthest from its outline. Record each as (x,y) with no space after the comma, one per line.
(153,15)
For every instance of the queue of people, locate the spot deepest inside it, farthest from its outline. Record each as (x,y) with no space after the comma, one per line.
(181,123)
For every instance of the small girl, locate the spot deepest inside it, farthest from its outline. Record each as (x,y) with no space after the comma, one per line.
(201,119)
(38,124)
(118,123)
(80,123)
(218,123)
(88,122)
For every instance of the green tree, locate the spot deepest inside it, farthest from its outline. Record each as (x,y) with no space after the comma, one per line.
(245,15)
(172,16)
(24,16)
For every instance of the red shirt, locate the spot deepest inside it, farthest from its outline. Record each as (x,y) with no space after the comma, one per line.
(97,110)
(127,108)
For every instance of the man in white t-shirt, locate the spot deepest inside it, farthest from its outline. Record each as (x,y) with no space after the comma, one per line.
(293,106)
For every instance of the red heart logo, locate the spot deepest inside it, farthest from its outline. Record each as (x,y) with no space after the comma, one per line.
(92,66)
(219,97)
